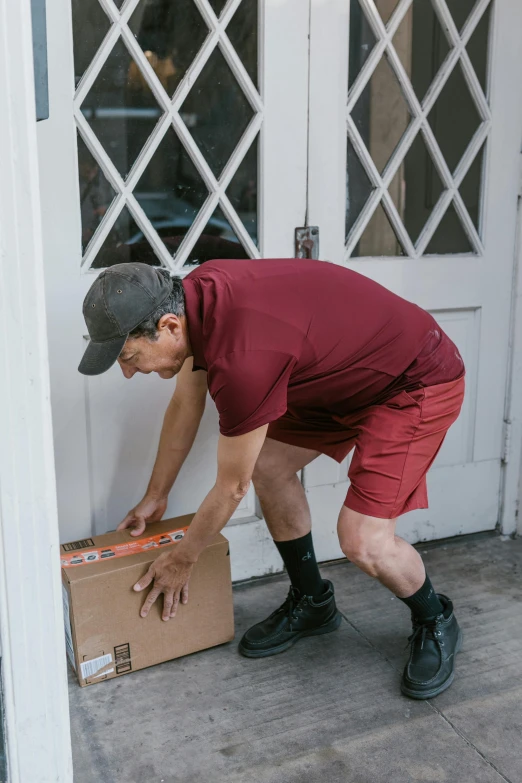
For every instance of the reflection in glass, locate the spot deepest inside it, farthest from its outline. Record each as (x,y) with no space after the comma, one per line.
(242,190)
(125,242)
(90,25)
(449,236)
(386,8)
(454,118)
(358,187)
(170,34)
(220,112)
(170,191)
(362,41)
(378,238)
(470,189)
(218,240)
(477,48)
(421,45)
(460,11)
(217,6)
(96,194)
(121,108)
(381,114)
(242,31)
(416,187)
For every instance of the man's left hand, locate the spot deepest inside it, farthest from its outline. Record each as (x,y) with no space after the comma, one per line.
(170,574)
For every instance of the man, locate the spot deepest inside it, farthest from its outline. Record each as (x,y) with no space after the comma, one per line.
(301,358)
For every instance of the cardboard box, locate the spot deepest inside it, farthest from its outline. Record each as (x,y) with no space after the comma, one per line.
(105,635)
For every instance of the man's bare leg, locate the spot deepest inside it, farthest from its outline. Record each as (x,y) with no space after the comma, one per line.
(310,607)
(280,492)
(371,543)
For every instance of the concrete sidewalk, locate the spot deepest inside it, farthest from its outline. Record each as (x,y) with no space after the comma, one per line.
(329,709)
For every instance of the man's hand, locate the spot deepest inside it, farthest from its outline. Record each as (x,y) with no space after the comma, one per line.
(170,574)
(150,509)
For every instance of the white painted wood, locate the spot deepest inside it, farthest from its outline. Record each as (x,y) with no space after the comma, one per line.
(470,295)
(510,521)
(111,442)
(31,618)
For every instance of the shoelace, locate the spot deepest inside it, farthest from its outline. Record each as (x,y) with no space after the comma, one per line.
(423,629)
(291,606)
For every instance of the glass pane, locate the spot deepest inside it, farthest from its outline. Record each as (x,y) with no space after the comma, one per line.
(125,242)
(220,110)
(421,45)
(381,114)
(121,108)
(470,189)
(386,8)
(90,25)
(416,187)
(460,10)
(454,118)
(170,34)
(218,240)
(96,194)
(449,237)
(477,48)
(362,41)
(378,238)
(242,191)
(358,187)
(170,191)
(242,31)
(217,5)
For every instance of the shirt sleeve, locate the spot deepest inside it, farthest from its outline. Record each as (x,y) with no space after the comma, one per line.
(249,388)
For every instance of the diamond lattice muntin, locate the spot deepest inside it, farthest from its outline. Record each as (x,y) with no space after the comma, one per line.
(169,115)
(418,118)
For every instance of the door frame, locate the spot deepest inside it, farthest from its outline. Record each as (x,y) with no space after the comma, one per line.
(31,616)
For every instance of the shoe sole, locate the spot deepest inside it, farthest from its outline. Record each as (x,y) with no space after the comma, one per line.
(421,695)
(329,627)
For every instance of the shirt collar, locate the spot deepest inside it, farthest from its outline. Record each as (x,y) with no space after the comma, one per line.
(194,322)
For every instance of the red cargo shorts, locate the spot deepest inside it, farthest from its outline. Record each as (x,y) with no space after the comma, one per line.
(395,444)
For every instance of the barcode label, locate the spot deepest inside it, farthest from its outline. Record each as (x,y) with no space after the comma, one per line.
(73,545)
(67,626)
(122,658)
(89,668)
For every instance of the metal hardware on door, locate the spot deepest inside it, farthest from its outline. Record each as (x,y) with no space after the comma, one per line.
(307,242)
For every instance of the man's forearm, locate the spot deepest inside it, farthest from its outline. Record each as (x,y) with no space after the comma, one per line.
(210,519)
(178,433)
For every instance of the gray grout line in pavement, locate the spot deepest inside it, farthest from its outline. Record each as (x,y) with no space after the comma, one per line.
(429,702)
(468,742)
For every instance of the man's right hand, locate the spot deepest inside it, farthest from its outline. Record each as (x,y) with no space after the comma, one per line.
(150,509)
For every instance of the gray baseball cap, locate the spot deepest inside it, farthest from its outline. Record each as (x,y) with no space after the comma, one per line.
(120,298)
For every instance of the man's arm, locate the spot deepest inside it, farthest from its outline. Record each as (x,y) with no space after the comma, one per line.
(237,457)
(180,426)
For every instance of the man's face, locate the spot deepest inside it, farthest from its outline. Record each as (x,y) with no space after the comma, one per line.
(164,356)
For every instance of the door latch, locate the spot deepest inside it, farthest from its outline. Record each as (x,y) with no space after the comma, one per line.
(307,242)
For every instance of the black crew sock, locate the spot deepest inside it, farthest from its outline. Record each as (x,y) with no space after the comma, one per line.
(299,559)
(425,603)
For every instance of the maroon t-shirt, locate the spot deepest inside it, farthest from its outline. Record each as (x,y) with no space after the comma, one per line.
(308,337)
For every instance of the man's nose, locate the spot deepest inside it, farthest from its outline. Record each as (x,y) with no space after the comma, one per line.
(128,371)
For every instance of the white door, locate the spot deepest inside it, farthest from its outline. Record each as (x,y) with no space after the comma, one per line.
(172,137)
(415,130)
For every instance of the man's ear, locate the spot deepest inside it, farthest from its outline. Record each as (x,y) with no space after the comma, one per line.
(170,322)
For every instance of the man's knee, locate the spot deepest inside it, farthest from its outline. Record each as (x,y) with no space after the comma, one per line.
(363,543)
(268,471)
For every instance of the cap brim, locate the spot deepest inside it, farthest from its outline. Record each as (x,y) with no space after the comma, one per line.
(99,357)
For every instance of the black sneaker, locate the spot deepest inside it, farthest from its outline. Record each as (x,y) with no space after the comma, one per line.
(300,615)
(433,647)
